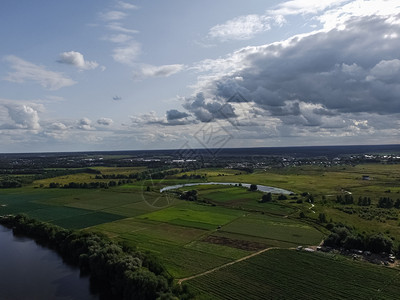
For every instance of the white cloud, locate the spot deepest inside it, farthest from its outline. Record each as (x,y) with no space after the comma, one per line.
(241,28)
(85,124)
(26,71)
(296,7)
(76,59)
(113,15)
(58,126)
(24,117)
(126,5)
(336,18)
(115,26)
(158,71)
(118,38)
(327,83)
(127,54)
(149,118)
(105,121)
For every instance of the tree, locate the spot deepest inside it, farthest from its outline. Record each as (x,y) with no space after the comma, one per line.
(397,204)
(385,202)
(282,197)
(379,243)
(322,218)
(266,198)
(253,187)
(189,195)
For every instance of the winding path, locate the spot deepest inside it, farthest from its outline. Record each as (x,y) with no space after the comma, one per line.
(227,264)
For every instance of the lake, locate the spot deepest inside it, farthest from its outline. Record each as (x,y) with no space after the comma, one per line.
(30,271)
(262,188)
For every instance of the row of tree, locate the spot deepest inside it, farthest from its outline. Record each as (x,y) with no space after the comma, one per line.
(386,202)
(89,185)
(117,272)
(346,199)
(154,174)
(9,182)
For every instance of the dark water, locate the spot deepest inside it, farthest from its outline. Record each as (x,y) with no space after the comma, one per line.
(29,272)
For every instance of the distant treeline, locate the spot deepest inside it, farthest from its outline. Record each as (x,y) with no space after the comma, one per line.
(47,173)
(89,185)
(154,174)
(116,271)
(10,181)
(384,202)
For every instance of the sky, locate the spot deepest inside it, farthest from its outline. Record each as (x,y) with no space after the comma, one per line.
(133,75)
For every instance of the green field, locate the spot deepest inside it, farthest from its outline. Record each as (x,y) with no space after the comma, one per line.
(288,274)
(275,228)
(228,223)
(240,198)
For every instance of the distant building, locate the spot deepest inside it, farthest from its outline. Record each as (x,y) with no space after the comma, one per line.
(366,177)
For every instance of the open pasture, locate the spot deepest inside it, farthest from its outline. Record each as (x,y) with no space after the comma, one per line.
(120,170)
(320,180)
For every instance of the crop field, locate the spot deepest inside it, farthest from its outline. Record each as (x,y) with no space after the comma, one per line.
(288,274)
(275,228)
(197,216)
(72,208)
(172,243)
(225,224)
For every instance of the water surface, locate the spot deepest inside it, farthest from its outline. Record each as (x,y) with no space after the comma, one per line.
(262,188)
(29,271)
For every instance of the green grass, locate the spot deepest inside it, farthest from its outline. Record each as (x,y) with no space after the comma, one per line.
(194,215)
(86,220)
(220,250)
(175,245)
(287,274)
(239,197)
(275,228)
(185,234)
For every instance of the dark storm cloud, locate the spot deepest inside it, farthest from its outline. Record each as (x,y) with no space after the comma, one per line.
(207,110)
(353,70)
(174,114)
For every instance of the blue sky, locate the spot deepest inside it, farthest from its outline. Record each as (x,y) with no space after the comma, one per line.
(121,75)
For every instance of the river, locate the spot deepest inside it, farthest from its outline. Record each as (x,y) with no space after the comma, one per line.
(262,188)
(29,271)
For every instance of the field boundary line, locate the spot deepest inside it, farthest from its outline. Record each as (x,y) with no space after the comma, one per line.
(227,264)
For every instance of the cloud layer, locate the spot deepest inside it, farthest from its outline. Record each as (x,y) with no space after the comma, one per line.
(26,71)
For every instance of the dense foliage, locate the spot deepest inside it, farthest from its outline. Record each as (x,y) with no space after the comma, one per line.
(344,236)
(117,272)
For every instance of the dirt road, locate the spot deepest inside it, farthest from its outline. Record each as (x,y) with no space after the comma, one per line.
(226,265)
